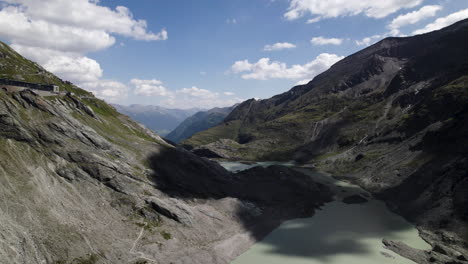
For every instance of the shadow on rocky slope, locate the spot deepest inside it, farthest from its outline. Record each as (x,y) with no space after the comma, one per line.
(269,196)
(437,190)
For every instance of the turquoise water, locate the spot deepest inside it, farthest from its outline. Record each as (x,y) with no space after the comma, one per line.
(339,233)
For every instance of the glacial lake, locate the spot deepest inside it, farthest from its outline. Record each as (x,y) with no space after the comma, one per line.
(338,233)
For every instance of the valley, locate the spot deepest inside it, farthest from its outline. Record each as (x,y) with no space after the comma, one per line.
(390,118)
(366,163)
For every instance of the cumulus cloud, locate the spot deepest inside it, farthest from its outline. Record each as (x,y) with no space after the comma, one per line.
(201,98)
(443,22)
(264,69)
(302,82)
(181,99)
(414,17)
(58,34)
(109,90)
(374,38)
(149,87)
(330,9)
(279,46)
(85,15)
(313,20)
(18,27)
(369,40)
(326,41)
(198,93)
(68,65)
(401,21)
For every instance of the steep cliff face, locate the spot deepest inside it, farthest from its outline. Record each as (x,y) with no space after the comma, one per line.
(81,183)
(391,117)
(198,122)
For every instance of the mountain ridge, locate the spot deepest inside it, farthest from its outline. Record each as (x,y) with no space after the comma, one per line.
(198,122)
(390,118)
(160,119)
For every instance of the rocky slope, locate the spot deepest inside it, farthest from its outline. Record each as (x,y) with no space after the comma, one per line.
(392,117)
(159,119)
(198,122)
(82,184)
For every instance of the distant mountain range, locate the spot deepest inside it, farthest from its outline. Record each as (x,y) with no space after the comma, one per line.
(159,119)
(200,121)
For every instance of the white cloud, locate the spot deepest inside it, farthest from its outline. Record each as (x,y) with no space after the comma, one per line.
(264,69)
(279,46)
(241,66)
(326,41)
(86,15)
(330,9)
(16,26)
(181,99)
(369,40)
(414,17)
(314,20)
(302,82)
(149,87)
(201,98)
(58,33)
(81,70)
(68,65)
(198,93)
(231,21)
(190,102)
(443,22)
(109,90)
(401,21)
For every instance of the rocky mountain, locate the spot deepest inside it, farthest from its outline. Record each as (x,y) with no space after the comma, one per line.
(392,118)
(159,119)
(200,121)
(81,183)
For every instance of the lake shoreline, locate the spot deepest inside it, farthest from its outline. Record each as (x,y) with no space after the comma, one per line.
(340,192)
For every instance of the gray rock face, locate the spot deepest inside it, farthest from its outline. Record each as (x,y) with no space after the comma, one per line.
(173,209)
(81,183)
(437,255)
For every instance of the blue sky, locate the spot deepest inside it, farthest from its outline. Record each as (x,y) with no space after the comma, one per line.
(206,53)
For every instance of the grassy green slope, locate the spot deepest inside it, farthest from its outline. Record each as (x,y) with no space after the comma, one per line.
(15,67)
